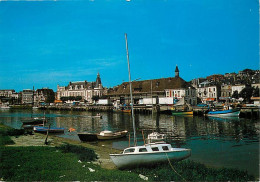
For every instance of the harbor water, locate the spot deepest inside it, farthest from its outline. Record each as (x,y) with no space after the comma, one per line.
(216,142)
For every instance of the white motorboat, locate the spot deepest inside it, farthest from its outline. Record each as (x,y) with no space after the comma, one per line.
(149,154)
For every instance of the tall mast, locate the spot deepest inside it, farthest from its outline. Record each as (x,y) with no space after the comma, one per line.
(131,95)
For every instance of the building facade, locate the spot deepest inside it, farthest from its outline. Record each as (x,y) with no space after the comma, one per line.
(208,92)
(85,90)
(172,87)
(27,96)
(44,95)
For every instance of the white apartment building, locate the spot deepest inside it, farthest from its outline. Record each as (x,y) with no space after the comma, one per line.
(208,92)
(189,94)
(27,96)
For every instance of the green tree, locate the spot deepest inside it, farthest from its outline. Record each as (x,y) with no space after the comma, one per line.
(95,98)
(78,98)
(256,92)
(63,99)
(247,93)
(235,94)
(50,97)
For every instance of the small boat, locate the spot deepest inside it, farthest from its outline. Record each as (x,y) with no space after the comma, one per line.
(44,129)
(148,155)
(30,126)
(87,137)
(174,112)
(4,107)
(155,137)
(97,116)
(225,113)
(126,110)
(109,135)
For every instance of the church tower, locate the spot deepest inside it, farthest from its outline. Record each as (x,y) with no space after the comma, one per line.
(176,72)
(98,81)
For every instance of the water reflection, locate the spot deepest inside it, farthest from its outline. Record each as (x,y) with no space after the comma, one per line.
(230,142)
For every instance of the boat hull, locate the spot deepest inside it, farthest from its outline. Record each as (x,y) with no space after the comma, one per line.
(41,129)
(148,158)
(87,137)
(225,113)
(34,121)
(182,112)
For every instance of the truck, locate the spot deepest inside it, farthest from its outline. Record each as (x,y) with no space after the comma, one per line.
(103,102)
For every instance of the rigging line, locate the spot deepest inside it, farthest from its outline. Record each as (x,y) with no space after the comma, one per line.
(173,167)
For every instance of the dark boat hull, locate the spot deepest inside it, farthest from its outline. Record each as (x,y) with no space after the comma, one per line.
(87,137)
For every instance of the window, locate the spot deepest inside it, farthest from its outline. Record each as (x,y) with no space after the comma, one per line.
(167,93)
(155,149)
(165,148)
(129,150)
(142,150)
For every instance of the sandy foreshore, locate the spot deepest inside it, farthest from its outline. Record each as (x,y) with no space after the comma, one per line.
(39,140)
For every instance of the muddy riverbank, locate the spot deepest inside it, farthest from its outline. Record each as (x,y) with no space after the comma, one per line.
(39,140)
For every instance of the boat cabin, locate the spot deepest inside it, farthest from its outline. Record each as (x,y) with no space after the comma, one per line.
(148,148)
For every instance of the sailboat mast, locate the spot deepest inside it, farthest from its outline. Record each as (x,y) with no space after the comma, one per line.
(131,94)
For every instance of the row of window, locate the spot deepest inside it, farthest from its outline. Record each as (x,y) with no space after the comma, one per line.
(165,148)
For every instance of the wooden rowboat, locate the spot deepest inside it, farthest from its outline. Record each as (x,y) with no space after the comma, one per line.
(109,135)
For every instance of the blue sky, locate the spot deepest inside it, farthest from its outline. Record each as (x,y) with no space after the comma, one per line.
(45,43)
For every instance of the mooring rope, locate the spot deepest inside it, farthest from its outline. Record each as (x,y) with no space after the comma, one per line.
(173,167)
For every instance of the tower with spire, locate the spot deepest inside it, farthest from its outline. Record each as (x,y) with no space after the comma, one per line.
(177,71)
(98,81)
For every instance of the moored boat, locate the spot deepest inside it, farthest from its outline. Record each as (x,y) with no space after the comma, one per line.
(174,112)
(33,121)
(225,113)
(4,107)
(149,154)
(109,135)
(44,129)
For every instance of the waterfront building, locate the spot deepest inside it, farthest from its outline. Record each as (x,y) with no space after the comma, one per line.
(6,96)
(7,93)
(208,92)
(81,89)
(237,88)
(27,96)
(44,95)
(172,88)
(226,93)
